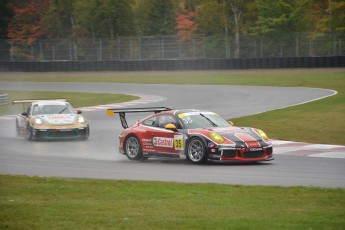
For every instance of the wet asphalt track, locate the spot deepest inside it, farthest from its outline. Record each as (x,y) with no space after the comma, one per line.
(98,157)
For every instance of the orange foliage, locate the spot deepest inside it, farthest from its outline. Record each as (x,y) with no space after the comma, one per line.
(27,25)
(185,25)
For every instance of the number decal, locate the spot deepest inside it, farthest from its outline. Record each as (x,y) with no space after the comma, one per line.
(187,120)
(178,142)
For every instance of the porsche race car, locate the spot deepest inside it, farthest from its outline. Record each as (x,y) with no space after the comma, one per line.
(196,135)
(50,120)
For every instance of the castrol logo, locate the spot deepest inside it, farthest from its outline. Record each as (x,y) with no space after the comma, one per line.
(163,142)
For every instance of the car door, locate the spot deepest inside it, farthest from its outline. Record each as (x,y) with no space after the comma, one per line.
(166,141)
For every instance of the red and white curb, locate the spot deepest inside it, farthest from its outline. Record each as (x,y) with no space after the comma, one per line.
(307,149)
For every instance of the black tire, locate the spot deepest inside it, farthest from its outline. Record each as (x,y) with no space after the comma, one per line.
(29,135)
(196,151)
(87,134)
(133,149)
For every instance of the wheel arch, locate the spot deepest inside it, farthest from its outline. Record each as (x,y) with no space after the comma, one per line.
(131,134)
(191,137)
(139,155)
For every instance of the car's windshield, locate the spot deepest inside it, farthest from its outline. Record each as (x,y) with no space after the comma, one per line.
(52,109)
(195,120)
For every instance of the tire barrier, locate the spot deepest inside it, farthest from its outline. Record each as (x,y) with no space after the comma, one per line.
(165,65)
(3,99)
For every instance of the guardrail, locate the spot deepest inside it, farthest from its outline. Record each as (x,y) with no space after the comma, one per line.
(165,65)
(3,99)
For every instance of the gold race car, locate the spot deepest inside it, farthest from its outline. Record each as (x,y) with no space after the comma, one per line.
(50,120)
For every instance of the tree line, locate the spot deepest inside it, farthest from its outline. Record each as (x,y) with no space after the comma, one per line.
(24,22)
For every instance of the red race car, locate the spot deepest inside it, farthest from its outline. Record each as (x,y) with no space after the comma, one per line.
(193,134)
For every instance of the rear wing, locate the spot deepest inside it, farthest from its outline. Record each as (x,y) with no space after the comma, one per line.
(122,112)
(29,101)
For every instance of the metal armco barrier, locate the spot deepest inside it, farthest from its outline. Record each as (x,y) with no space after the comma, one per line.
(3,99)
(164,65)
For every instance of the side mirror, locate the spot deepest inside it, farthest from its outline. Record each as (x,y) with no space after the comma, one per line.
(171,127)
(24,114)
(79,112)
(231,123)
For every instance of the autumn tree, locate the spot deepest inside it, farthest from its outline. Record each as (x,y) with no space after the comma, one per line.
(329,15)
(185,25)
(28,23)
(26,27)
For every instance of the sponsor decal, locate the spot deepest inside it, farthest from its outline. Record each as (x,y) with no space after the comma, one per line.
(59,116)
(210,144)
(255,149)
(140,130)
(147,145)
(195,113)
(182,115)
(163,142)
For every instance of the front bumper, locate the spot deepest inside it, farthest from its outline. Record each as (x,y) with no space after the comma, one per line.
(60,134)
(242,154)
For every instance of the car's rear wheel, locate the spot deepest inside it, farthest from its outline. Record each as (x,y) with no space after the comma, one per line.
(196,150)
(133,148)
(17,129)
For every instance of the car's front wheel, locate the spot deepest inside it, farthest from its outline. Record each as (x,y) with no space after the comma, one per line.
(133,148)
(29,134)
(87,133)
(196,150)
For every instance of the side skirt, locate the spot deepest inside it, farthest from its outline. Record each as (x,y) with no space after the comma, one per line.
(164,155)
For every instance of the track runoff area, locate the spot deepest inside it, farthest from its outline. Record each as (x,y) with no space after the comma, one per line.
(280,147)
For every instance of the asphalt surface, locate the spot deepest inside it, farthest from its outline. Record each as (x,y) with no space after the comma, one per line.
(98,157)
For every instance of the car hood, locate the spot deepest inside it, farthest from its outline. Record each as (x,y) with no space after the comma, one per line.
(58,119)
(229,132)
(239,136)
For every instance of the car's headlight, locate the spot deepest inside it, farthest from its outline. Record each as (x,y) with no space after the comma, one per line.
(81,119)
(216,137)
(262,134)
(38,121)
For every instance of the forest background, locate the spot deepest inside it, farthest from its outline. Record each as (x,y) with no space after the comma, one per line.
(218,28)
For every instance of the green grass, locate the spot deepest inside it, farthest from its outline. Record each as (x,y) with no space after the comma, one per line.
(52,203)
(321,121)
(76,99)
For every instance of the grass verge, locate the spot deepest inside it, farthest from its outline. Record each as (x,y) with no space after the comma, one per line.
(76,99)
(52,203)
